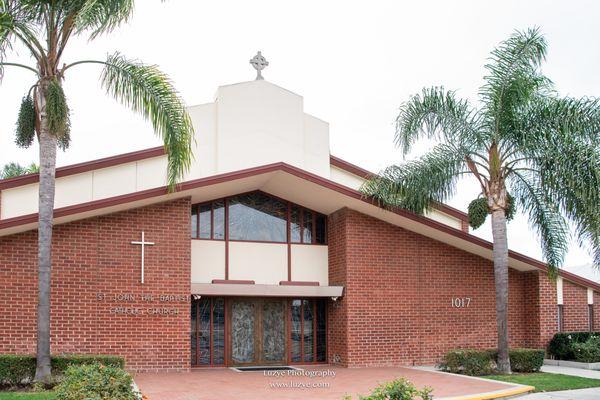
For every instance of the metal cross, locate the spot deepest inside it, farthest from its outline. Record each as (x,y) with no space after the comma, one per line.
(259,62)
(143,243)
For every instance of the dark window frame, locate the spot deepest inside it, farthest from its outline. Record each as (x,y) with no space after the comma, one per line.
(315,331)
(561,318)
(195,362)
(226,204)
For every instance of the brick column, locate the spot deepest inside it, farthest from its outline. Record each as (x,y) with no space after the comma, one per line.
(338,311)
(548,309)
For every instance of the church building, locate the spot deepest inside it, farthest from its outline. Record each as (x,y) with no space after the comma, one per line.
(266,254)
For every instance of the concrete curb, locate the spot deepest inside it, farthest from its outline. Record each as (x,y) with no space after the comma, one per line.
(573,364)
(497,394)
(515,389)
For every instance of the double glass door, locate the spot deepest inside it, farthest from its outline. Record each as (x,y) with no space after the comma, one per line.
(258,331)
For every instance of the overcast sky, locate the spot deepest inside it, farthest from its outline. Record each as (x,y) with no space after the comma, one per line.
(354,62)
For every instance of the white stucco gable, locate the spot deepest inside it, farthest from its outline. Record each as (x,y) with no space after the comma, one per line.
(256,123)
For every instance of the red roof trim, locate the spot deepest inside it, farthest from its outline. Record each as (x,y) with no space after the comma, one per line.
(363,173)
(161,191)
(349,167)
(85,166)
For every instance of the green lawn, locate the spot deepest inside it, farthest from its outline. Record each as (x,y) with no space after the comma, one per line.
(26,396)
(545,382)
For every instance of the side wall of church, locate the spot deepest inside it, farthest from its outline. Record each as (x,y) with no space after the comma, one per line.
(99,305)
(409,299)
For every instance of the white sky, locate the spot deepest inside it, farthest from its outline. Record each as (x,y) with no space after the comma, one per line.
(354,63)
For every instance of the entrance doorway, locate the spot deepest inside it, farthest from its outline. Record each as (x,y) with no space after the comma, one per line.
(257,331)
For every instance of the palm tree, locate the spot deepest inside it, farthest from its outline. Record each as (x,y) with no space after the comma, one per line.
(44,28)
(13,169)
(526,147)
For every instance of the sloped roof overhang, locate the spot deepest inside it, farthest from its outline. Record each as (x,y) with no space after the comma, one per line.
(296,185)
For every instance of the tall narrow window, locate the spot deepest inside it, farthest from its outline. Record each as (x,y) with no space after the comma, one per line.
(219,219)
(321,229)
(308,331)
(591,317)
(205,215)
(194,221)
(208,331)
(307,231)
(218,331)
(194,332)
(296,332)
(321,331)
(295,227)
(204,332)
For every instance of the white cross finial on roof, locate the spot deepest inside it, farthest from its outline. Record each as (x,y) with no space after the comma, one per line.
(259,62)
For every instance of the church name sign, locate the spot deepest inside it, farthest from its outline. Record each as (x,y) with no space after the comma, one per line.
(130,303)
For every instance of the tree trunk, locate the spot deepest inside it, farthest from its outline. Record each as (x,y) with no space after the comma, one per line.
(500,254)
(46,214)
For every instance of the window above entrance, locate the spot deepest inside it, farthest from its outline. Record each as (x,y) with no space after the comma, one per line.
(257,217)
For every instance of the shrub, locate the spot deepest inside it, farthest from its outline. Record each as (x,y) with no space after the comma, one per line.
(20,369)
(524,360)
(16,369)
(561,345)
(469,362)
(62,362)
(588,351)
(96,382)
(399,389)
(483,362)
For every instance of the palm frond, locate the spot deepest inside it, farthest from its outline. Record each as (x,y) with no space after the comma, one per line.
(100,16)
(544,218)
(436,113)
(5,29)
(417,185)
(148,91)
(570,174)
(513,78)
(17,21)
(549,118)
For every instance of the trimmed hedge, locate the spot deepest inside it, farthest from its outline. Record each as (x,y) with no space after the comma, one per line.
(561,345)
(469,362)
(96,382)
(588,352)
(524,360)
(483,362)
(17,369)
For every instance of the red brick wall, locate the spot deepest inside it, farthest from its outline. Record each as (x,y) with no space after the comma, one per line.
(337,313)
(532,314)
(94,257)
(575,309)
(548,308)
(399,285)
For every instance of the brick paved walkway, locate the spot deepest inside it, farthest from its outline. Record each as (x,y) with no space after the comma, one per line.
(224,384)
